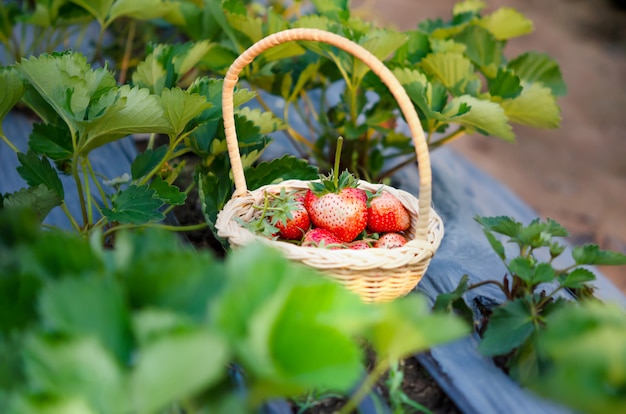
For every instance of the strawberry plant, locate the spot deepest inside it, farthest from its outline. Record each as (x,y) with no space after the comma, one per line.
(522,330)
(455,71)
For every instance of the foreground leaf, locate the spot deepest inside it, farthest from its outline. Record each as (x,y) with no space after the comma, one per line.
(177,367)
(584,347)
(40,199)
(88,306)
(408,326)
(77,366)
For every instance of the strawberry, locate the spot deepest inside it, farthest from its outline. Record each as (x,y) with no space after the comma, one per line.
(358,245)
(335,204)
(321,238)
(390,241)
(282,215)
(386,214)
(293,222)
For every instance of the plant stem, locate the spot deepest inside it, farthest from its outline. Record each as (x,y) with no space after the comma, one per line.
(9,143)
(70,217)
(127,51)
(490,282)
(337,157)
(79,189)
(447,139)
(366,386)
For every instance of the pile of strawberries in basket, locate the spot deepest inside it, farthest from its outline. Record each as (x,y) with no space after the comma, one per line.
(334,214)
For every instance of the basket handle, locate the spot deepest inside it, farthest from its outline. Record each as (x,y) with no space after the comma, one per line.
(396,89)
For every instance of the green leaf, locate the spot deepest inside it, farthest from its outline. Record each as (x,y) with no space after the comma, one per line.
(176,367)
(453,301)
(336,9)
(40,199)
(180,107)
(280,169)
(145,162)
(53,141)
(506,23)
(120,113)
(408,327)
(135,205)
(585,347)
(521,267)
(137,9)
(67,83)
(535,106)
(35,404)
(577,278)
(539,67)
(151,74)
(543,272)
(265,121)
(251,26)
(591,254)
(496,244)
(324,354)
(382,44)
(214,191)
(482,48)
(505,85)
(509,326)
(37,171)
(91,306)
(99,9)
(473,6)
(76,366)
(452,69)
(12,88)
(418,88)
(159,273)
(501,224)
(169,193)
(488,117)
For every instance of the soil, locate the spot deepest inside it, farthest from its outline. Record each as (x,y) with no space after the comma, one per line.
(576,174)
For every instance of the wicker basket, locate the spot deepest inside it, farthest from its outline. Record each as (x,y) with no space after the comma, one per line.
(377,275)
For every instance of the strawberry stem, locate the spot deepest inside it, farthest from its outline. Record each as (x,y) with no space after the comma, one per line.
(337,157)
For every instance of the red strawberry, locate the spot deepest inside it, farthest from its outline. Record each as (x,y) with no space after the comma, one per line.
(293,224)
(282,215)
(338,206)
(386,214)
(390,241)
(321,238)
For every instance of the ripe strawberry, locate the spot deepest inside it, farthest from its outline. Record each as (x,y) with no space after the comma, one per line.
(293,221)
(321,238)
(386,214)
(338,206)
(282,215)
(390,241)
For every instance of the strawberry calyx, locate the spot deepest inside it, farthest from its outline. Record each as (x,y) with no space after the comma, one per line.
(276,211)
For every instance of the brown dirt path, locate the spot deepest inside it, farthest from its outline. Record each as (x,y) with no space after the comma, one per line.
(575,174)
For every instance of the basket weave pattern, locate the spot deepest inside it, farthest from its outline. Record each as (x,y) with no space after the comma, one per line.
(377,275)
